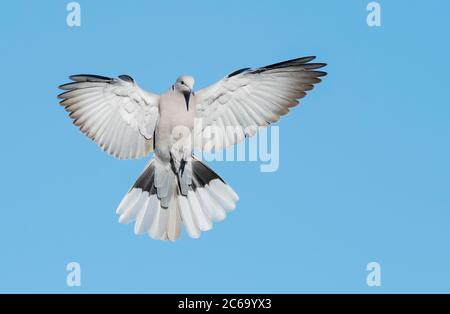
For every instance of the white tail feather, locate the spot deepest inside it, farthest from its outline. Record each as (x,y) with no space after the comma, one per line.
(216,212)
(186,215)
(144,218)
(131,212)
(201,220)
(159,223)
(173,229)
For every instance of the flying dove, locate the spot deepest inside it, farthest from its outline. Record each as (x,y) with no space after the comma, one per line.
(176,188)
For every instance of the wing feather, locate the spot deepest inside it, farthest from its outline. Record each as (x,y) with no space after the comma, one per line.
(114,112)
(250,98)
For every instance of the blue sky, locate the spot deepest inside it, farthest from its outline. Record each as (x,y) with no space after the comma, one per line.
(364,163)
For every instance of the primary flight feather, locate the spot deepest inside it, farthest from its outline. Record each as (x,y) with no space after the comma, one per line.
(176,188)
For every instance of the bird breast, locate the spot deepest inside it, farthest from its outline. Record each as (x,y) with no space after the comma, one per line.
(173,110)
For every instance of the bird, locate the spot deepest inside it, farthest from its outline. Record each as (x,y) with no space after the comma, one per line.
(176,189)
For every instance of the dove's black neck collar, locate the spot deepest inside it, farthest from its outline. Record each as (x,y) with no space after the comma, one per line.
(187,96)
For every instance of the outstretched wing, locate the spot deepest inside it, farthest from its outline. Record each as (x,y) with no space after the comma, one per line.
(114,112)
(250,98)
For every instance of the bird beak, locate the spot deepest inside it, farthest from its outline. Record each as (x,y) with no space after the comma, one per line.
(187,96)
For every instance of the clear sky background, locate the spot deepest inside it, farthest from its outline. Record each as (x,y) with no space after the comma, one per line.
(364,170)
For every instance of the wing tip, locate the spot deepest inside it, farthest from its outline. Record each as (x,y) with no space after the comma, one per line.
(81,78)
(126,78)
(62,95)
(89,78)
(295,61)
(237,72)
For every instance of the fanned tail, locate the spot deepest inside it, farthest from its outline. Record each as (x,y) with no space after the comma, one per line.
(163,198)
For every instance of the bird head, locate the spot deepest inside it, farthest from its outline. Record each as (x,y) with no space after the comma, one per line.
(184,83)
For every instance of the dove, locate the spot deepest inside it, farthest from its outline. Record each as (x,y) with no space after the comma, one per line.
(176,189)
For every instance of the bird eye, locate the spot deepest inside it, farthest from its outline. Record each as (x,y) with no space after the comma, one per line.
(182,82)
